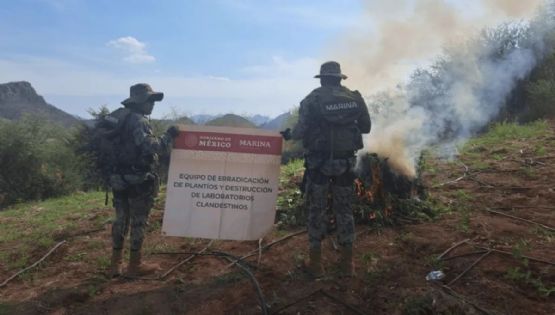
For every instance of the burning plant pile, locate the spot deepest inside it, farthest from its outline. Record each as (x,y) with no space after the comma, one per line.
(383,195)
(386,196)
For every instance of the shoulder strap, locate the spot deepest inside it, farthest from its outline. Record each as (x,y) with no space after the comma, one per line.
(123,124)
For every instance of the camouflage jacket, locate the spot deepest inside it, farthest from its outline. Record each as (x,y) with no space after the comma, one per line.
(139,146)
(332,119)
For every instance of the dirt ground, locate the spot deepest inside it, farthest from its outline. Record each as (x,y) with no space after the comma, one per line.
(513,260)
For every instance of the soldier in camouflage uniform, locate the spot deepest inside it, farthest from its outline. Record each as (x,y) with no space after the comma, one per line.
(332,119)
(134,182)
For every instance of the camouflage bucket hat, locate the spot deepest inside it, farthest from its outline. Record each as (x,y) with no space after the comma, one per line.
(330,69)
(142,92)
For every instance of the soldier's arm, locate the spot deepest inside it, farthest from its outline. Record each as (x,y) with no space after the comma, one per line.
(302,124)
(363,121)
(147,141)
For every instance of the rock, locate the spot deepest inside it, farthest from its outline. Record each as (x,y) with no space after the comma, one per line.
(20,98)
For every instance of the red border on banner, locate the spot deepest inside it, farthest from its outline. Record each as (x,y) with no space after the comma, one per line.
(228,142)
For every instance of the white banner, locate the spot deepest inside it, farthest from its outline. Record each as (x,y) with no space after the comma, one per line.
(222,183)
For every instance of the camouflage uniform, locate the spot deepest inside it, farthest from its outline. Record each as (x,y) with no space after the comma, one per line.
(328,171)
(331,122)
(133,180)
(133,203)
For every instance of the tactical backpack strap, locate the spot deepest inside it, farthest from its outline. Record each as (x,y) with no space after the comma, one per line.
(121,125)
(118,131)
(121,128)
(324,123)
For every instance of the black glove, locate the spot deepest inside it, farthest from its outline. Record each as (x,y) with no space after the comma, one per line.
(286,134)
(173,131)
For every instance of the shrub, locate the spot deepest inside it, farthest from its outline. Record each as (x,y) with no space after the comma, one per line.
(36,161)
(292,149)
(541,99)
(290,202)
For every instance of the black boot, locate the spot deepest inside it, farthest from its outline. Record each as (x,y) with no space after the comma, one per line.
(346,267)
(138,268)
(115,266)
(314,267)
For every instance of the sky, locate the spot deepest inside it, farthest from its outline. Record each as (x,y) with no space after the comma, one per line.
(208,57)
(214,56)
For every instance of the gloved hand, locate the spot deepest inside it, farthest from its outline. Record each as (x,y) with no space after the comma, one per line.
(173,131)
(286,134)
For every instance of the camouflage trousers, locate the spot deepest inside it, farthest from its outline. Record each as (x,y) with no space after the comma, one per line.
(132,206)
(317,192)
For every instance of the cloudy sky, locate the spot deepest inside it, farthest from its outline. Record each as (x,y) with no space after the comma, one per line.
(209,57)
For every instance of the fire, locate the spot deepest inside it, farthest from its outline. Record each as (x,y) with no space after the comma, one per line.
(359,188)
(362,193)
(375,191)
(378,187)
(383,195)
(373,194)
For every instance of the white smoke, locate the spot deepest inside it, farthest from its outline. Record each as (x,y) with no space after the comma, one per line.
(461,92)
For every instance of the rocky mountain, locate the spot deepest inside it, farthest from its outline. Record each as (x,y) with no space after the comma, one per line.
(258,119)
(20,98)
(165,123)
(277,123)
(184,120)
(231,120)
(203,118)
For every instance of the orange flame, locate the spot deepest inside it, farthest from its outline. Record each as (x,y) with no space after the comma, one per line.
(359,187)
(388,211)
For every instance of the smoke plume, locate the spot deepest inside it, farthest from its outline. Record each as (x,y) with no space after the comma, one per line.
(479,56)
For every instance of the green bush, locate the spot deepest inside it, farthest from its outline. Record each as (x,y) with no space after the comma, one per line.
(540,89)
(37,161)
(290,203)
(541,99)
(292,149)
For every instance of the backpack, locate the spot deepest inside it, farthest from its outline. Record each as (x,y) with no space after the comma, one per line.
(337,113)
(106,143)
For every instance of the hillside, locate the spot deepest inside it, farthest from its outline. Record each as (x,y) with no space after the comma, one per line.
(20,98)
(202,118)
(277,123)
(257,120)
(231,120)
(184,120)
(493,237)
